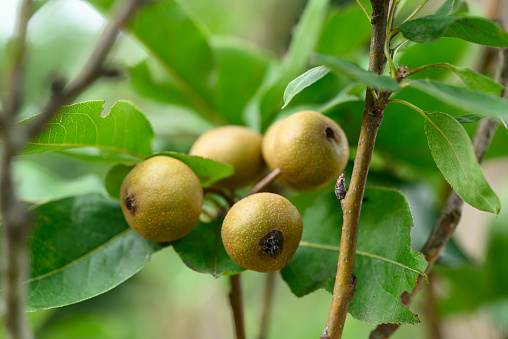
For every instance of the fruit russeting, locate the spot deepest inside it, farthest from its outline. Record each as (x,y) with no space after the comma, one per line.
(262,232)
(237,146)
(161,199)
(310,149)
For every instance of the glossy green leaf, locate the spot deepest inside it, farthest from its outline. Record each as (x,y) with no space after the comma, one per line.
(454,156)
(202,250)
(208,171)
(303,81)
(81,247)
(473,79)
(124,130)
(114,179)
(241,69)
(473,29)
(468,100)
(179,45)
(385,263)
(143,81)
(356,73)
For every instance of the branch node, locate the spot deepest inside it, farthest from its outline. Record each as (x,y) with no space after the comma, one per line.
(340,187)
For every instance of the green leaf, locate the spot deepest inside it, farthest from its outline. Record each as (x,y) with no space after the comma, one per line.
(180,45)
(208,171)
(477,81)
(472,79)
(303,81)
(468,118)
(124,130)
(143,81)
(454,156)
(241,70)
(473,29)
(114,179)
(81,247)
(356,73)
(468,100)
(445,8)
(202,250)
(385,263)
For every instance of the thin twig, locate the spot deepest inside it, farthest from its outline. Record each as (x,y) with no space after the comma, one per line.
(345,281)
(267,304)
(236,300)
(265,181)
(452,211)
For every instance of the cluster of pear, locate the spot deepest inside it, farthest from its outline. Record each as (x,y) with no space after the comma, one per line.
(162,197)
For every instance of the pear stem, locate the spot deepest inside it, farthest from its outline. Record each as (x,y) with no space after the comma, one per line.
(236,300)
(265,181)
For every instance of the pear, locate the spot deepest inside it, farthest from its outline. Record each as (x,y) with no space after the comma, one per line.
(161,199)
(237,146)
(268,142)
(310,149)
(262,232)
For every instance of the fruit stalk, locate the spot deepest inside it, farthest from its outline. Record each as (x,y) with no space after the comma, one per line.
(236,300)
(345,281)
(452,210)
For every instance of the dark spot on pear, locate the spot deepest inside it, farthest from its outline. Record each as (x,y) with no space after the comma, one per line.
(330,135)
(130,204)
(272,244)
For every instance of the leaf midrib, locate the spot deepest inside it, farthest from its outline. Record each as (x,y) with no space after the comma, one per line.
(81,258)
(362,253)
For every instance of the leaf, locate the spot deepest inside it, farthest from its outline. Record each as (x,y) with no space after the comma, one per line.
(477,81)
(468,118)
(445,8)
(454,156)
(473,29)
(468,100)
(303,81)
(385,263)
(114,179)
(81,247)
(143,81)
(356,73)
(240,71)
(202,250)
(180,46)
(208,171)
(124,130)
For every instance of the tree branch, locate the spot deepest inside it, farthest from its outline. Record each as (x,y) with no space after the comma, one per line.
(452,211)
(345,281)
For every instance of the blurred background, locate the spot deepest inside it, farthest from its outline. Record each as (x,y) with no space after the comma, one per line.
(168,300)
